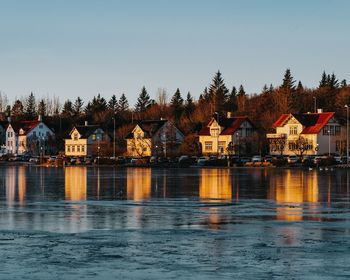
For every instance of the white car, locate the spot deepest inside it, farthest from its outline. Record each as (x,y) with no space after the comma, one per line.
(257,158)
(202,161)
(292,159)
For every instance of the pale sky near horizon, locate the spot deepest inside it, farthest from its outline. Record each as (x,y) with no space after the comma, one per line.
(84,47)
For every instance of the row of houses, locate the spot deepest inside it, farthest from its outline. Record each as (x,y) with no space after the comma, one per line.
(308,133)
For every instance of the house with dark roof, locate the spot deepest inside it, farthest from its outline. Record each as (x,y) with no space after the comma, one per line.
(86,140)
(307,134)
(28,137)
(228,136)
(154,137)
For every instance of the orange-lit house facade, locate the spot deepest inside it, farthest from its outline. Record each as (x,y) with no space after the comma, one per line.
(231,135)
(308,134)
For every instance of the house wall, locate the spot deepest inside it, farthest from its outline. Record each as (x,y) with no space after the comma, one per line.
(315,140)
(139,147)
(243,135)
(11,140)
(75,146)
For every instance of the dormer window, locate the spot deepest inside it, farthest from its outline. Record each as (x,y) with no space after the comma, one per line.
(75,136)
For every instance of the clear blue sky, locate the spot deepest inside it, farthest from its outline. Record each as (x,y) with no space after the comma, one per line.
(84,47)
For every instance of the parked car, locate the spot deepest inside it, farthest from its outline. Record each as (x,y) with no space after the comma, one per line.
(256,158)
(268,158)
(34,159)
(244,159)
(202,161)
(292,159)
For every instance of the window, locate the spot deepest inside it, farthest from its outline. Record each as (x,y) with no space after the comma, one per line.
(78,149)
(221,146)
(68,148)
(325,130)
(208,145)
(83,148)
(73,149)
(293,130)
(337,130)
(34,133)
(93,137)
(75,136)
(214,131)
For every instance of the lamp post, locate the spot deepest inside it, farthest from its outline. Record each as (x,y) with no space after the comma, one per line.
(238,146)
(114,138)
(347,133)
(329,143)
(217,133)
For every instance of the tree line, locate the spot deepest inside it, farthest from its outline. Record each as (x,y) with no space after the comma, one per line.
(188,114)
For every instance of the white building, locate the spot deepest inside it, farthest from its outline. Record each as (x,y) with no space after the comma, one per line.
(28,137)
(308,134)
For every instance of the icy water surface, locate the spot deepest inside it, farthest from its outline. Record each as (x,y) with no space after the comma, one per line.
(107,223)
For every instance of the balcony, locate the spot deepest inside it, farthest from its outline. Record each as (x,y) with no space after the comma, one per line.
(276,135)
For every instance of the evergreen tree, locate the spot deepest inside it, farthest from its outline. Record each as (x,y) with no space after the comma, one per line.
(343,83)
(113,104)
(30,107)
(271,89)
(218,92)
(265,89)
(300,87)
(68,110)
(333,81)
(241,91)
(189,104)
(143,101)
(98,104)
(231,105)
(78,107)
(123,104)
(288,82)
(42,108)
(176,104)
(17,109)
(324,80)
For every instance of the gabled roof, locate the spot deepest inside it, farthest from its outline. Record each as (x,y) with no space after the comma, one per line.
(85,130)
(27,126)
(312,122)
(229,125)
(149,127)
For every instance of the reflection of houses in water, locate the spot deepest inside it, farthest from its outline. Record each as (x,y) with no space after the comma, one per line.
(15,178)
(138,183)
(293,188)
(215,184)
(75,179)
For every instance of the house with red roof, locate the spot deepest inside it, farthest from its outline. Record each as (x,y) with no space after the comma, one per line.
(307,134)
(32,137)
(228,135)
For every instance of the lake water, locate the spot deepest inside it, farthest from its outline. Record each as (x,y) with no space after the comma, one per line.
(142,223)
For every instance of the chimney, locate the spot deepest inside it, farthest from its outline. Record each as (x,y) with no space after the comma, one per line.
(229,115)
(319,111)
(86,123)
(40,118)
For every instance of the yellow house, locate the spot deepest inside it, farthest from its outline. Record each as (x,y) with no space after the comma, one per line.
(154,137)
(82,140)
(307,134)
(231,135)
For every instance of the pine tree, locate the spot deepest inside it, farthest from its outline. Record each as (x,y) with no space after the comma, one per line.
(78,107)
(288,82)
(113,104)
(265,89)
(189,104)
(30,107)
(324,80)
(17,109)
(231,105)
(218,92)
(143,101)
(343,83)
(123,104)
(42,108)
(241,91)
(68,108)
(333,81)
(300,87)
(271,88)
(176,104)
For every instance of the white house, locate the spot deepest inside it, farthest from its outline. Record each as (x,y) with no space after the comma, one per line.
(308,134)
(28,137)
